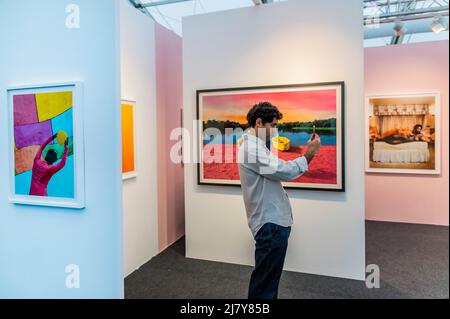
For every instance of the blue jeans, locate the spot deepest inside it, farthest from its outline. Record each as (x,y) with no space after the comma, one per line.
(270,252)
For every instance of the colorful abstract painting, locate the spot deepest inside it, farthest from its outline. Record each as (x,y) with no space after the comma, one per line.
(43,145)
(403,134)
(128,139)
(305,108)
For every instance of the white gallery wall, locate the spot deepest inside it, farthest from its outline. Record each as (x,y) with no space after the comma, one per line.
(138,82)
(293,42)
(37,244)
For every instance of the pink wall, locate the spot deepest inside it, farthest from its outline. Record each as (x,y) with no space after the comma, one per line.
(411,68)
(169,98)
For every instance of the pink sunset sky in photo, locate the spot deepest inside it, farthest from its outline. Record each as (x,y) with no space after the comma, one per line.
(296,106)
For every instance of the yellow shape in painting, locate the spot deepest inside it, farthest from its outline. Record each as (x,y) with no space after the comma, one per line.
(61,137)
(281,143)
(127,138)
(50,105)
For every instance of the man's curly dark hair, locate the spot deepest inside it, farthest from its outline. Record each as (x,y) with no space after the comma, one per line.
(266,111)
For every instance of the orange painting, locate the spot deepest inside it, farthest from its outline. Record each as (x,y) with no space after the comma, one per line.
(128,155)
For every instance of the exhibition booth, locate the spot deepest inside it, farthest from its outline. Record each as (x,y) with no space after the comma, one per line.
(113,131)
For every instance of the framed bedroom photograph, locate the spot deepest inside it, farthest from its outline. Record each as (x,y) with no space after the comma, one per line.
(128,139)
(403,134)
(46,150)
(306,108)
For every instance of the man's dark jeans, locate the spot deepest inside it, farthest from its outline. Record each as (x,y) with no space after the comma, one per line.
(271,245)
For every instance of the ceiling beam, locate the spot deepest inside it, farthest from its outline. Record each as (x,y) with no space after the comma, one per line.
(259,2)
(385,30)
(138,5)
(159,3)
(371,21)
(415,11)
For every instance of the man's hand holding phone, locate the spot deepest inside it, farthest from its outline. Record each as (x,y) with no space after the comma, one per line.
(313,146)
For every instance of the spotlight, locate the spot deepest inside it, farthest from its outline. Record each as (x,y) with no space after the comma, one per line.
(399,28)
(438,25)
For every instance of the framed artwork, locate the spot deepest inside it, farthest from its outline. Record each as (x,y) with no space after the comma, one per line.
(128,139)
(305,107)
(46,145)
(403,134)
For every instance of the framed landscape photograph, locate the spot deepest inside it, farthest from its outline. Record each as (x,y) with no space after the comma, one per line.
(46,145)
(403,134)
(305,107)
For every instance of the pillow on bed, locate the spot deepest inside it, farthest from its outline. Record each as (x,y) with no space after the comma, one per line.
(404,132)
(389,133)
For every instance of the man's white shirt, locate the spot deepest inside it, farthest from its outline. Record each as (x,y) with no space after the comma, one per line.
(261,174)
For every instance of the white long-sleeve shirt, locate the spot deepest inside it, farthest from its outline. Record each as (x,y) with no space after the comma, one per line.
(261,173)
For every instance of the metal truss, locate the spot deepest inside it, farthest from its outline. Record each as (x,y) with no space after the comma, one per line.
(375,11)
(388,11)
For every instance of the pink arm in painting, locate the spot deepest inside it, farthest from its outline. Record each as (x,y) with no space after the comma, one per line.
(43,146)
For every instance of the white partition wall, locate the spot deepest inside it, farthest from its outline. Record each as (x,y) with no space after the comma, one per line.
(291,42)
(138,79)
(41,247)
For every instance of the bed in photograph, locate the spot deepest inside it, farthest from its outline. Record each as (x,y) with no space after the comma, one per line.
(403,133)
(411,152)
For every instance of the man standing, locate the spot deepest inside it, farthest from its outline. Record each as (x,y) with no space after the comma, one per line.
(269,212)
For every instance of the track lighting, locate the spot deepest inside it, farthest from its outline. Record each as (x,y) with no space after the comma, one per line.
(438,25)
(399,28)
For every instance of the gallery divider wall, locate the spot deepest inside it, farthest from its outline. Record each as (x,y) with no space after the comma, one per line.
(138,81)
(280,44)
(169,84)
(418,68)
(55,252)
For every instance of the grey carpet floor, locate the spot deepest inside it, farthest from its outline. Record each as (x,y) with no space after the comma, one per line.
(413,259)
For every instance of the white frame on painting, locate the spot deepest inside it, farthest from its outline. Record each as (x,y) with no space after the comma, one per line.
(133,174)
(437,112)
(78,202)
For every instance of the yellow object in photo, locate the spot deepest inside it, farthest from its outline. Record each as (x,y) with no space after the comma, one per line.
(61,137)
(281,143)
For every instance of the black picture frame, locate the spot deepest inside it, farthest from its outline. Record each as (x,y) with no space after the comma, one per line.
(340,84)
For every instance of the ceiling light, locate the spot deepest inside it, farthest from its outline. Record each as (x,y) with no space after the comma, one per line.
(399,28)
(438,25)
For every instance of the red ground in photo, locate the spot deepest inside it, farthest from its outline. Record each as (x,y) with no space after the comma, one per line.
(322,169)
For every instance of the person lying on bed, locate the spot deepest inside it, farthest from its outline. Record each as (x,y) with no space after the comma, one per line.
(416,135)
